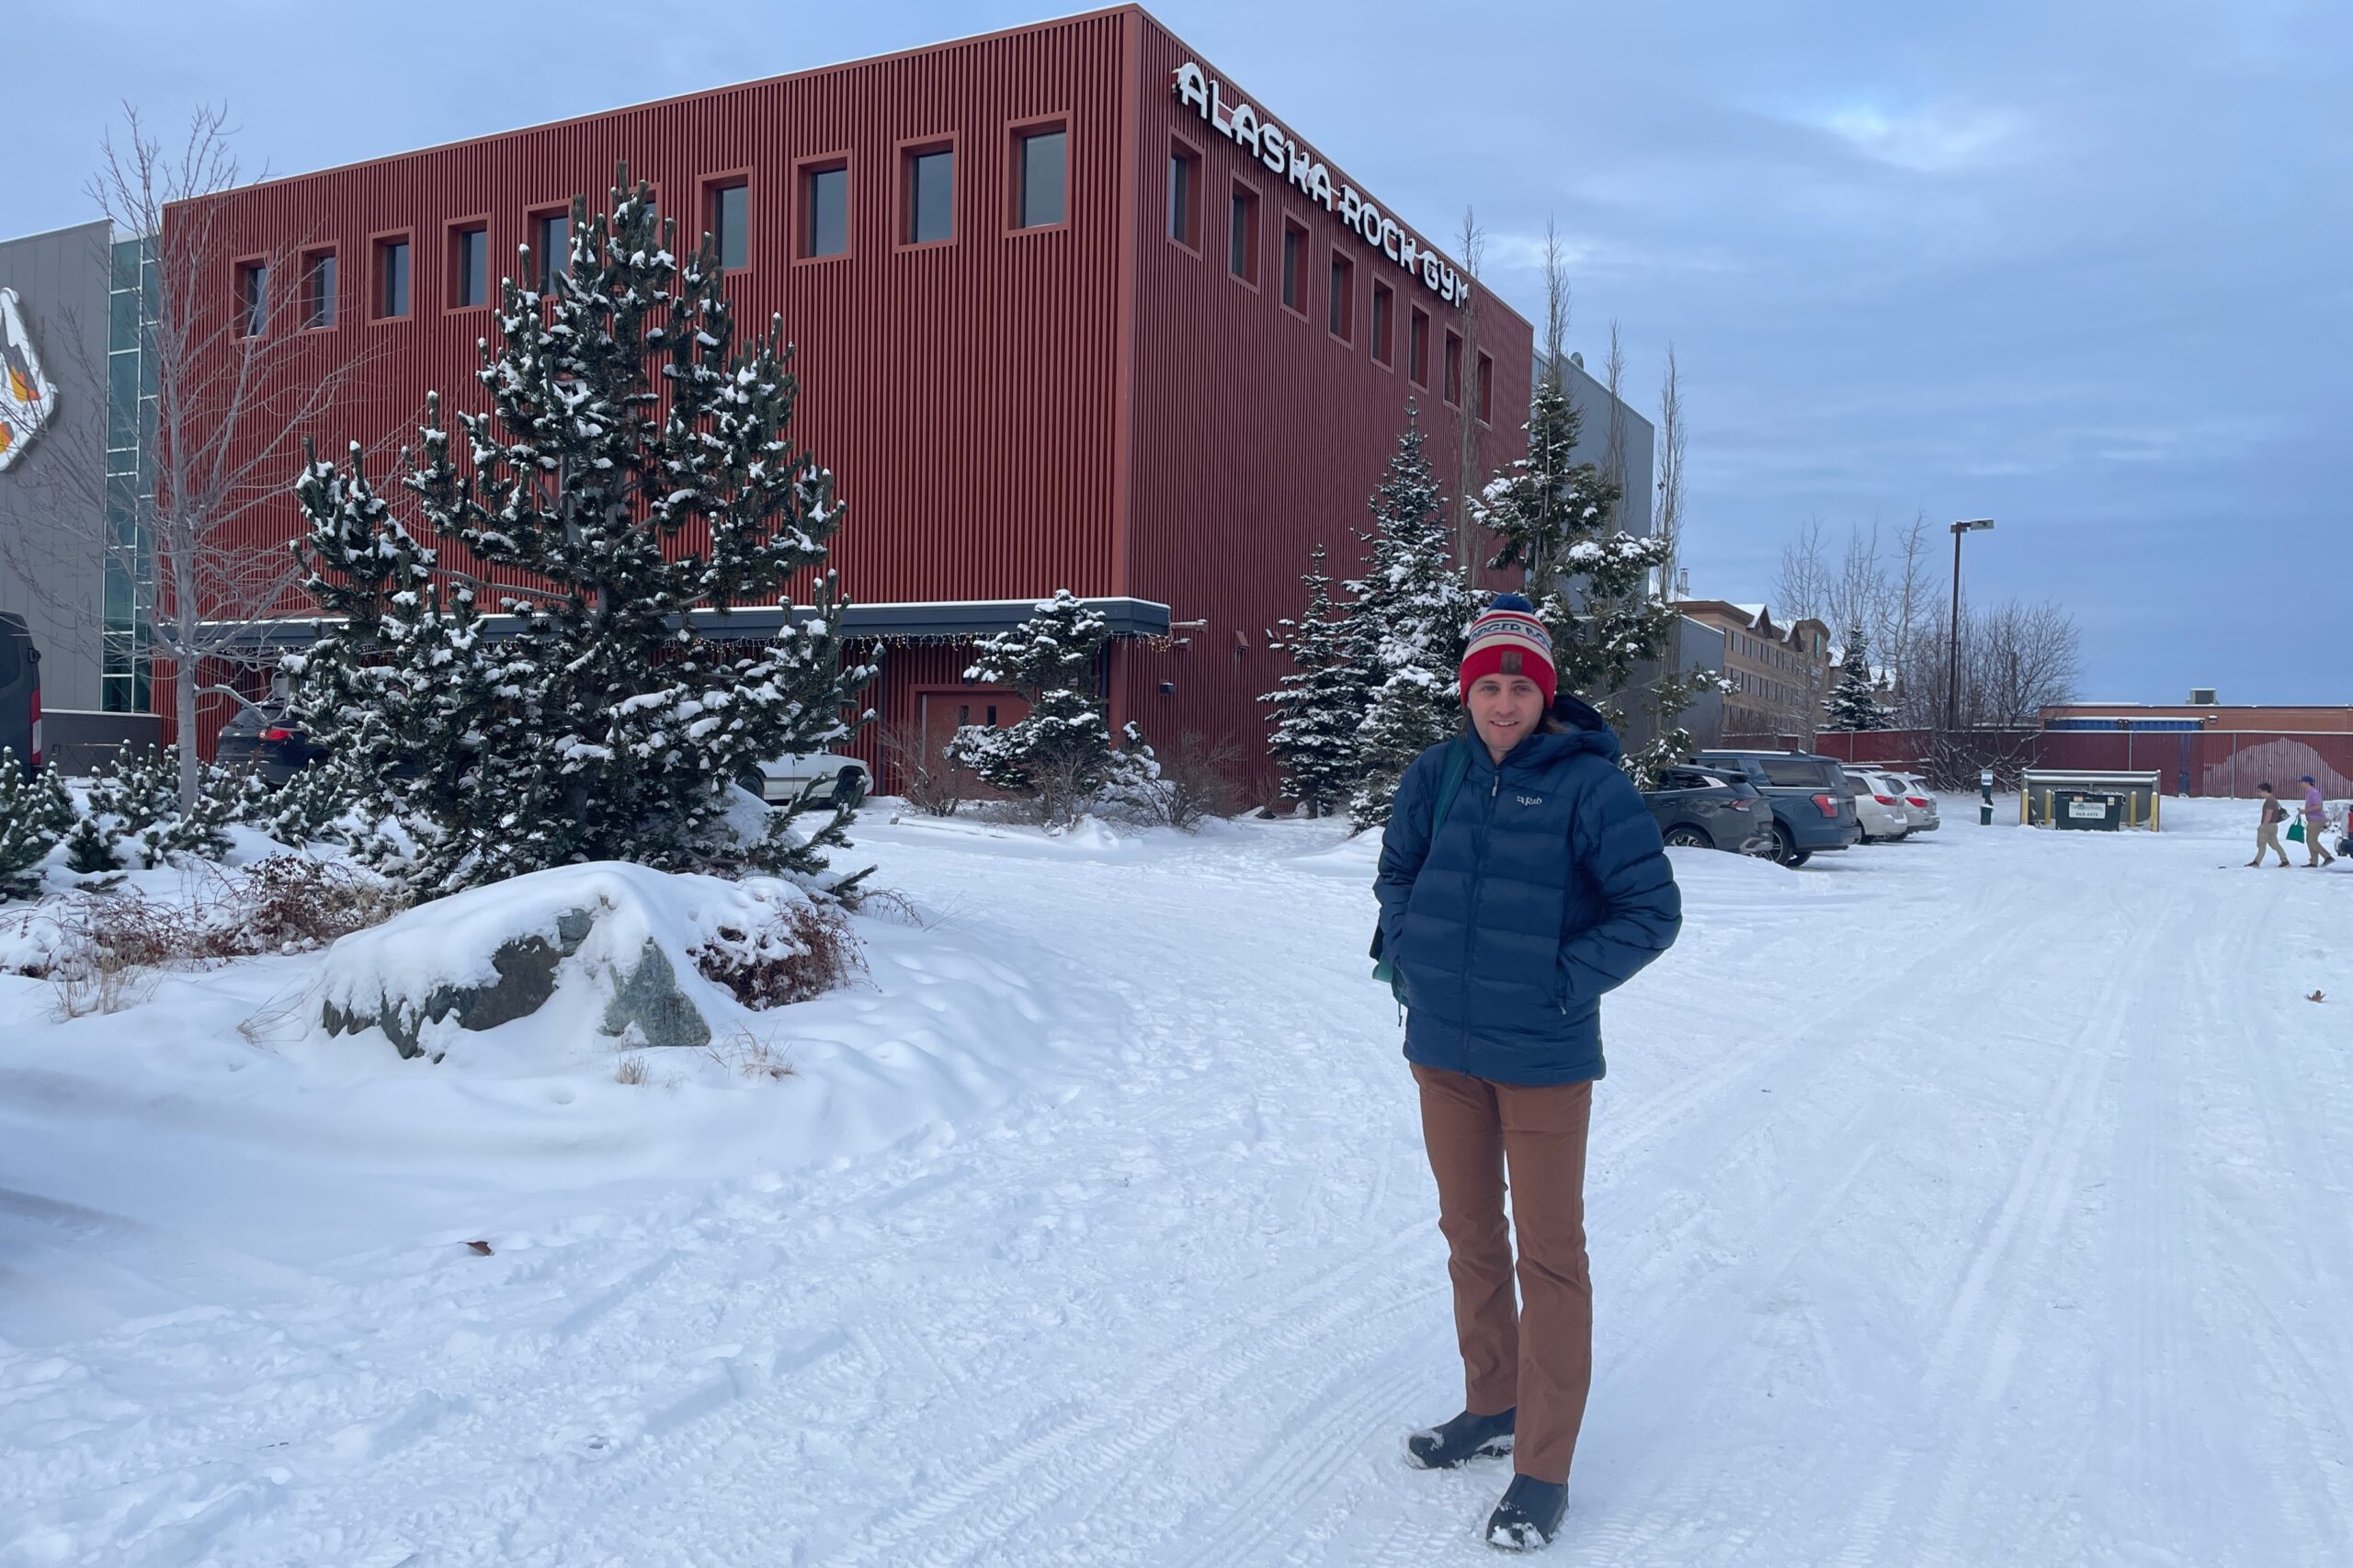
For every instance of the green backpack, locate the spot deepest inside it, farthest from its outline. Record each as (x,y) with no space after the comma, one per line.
(1458,764)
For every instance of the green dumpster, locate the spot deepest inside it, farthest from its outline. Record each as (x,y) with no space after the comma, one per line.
(2096,810)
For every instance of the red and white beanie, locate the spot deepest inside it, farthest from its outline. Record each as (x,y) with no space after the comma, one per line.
(1509,640)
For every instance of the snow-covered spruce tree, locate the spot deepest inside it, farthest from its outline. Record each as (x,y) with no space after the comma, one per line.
(1412,611)
(35,813)
(1545,503)
(1853,705)
(613,724)
(135,804)
(1315,709)
(1060,756)
(1597,590)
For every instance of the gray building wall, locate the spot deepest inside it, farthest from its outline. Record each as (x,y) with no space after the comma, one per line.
(1597,411)
(53,504)
(1697,649)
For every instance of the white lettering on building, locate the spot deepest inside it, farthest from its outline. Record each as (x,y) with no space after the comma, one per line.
(1285,156)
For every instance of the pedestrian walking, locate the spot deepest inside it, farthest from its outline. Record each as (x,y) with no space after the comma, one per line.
(2267,827)
(2315,826)
(1521,876)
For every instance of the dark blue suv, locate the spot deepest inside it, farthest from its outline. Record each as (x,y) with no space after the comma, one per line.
(1813,806)
(20,691)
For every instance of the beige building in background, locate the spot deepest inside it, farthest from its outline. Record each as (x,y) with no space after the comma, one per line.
(1779,674)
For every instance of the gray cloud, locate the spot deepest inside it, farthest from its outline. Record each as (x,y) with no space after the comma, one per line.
(2079,266)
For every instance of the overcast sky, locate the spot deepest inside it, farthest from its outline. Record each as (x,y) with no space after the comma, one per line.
(2081,267)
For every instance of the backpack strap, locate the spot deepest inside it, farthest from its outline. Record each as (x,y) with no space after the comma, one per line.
(1458,767)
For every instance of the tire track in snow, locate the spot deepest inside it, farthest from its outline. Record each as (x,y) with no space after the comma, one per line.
(1704,1345)
(1923,1485)
(986,1501)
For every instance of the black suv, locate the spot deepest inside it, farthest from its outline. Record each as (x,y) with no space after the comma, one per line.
(20,691)
(1813,806)
(1700,808)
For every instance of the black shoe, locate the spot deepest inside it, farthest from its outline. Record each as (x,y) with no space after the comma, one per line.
(1529,1516)
(1461,1439)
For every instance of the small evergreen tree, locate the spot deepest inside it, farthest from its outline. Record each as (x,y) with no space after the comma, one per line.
(1316,709)
(1411,614)
(90,849)
(1597,590)
(1546,504)
(35,813)
(1059,755)
(615,723)
(1853,704)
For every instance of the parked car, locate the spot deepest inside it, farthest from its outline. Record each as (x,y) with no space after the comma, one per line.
(260,740)
(782,779)
(1879,815)
(20,691)
(1919,800)
(1701,810)
(1813,806)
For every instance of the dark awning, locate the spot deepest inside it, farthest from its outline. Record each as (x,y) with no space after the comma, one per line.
(947,619)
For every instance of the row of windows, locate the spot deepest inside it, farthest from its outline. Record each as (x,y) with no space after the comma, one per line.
(1039,184)
(1765,652)
(1243,234)
(1770,690)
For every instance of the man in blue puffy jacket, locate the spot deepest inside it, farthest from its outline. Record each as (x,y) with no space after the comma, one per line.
(1543,886)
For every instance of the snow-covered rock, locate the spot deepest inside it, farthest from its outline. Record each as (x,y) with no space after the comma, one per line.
(610,947)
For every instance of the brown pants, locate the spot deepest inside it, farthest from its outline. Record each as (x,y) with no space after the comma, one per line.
(2266,841)
(1472,1129)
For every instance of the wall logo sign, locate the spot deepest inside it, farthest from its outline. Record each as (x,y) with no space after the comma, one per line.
(1287,155)
(27,396)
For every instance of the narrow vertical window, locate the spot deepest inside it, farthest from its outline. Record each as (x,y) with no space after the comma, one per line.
(929,180)
(552,245)
(1294,267)
(1384,313)
(391,278)
(318,290)
(824,202)
(730,224)
(1185,197)
(1417,349)
(252,299)
(470,267)
(1043,175)
(1242,238)
(1484,390)
(1454,389)
(1340,310)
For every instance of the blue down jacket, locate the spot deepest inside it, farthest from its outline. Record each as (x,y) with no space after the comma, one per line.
(1545,886)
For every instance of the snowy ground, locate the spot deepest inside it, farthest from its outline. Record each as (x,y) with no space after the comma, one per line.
(1982,1200)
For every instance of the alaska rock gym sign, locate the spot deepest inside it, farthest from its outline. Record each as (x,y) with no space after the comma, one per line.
(1287,155)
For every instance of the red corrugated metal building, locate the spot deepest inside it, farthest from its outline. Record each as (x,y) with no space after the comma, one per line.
(1132,337)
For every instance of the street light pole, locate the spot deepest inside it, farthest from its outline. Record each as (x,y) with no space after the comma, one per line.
(1952,649)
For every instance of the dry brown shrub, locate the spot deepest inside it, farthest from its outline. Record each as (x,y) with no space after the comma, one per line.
(808,950)
(750,1057)
(929,781)
(293,904)
(630,1070)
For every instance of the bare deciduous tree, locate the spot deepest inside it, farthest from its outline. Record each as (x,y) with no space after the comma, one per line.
(1905,611)
(1673,439)
(235,381)
(1556,303)
(1613,441)
(1801,582)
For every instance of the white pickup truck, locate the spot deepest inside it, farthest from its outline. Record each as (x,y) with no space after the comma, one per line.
(783,778)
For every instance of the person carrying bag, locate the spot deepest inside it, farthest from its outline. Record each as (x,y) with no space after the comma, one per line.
(1521,876)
